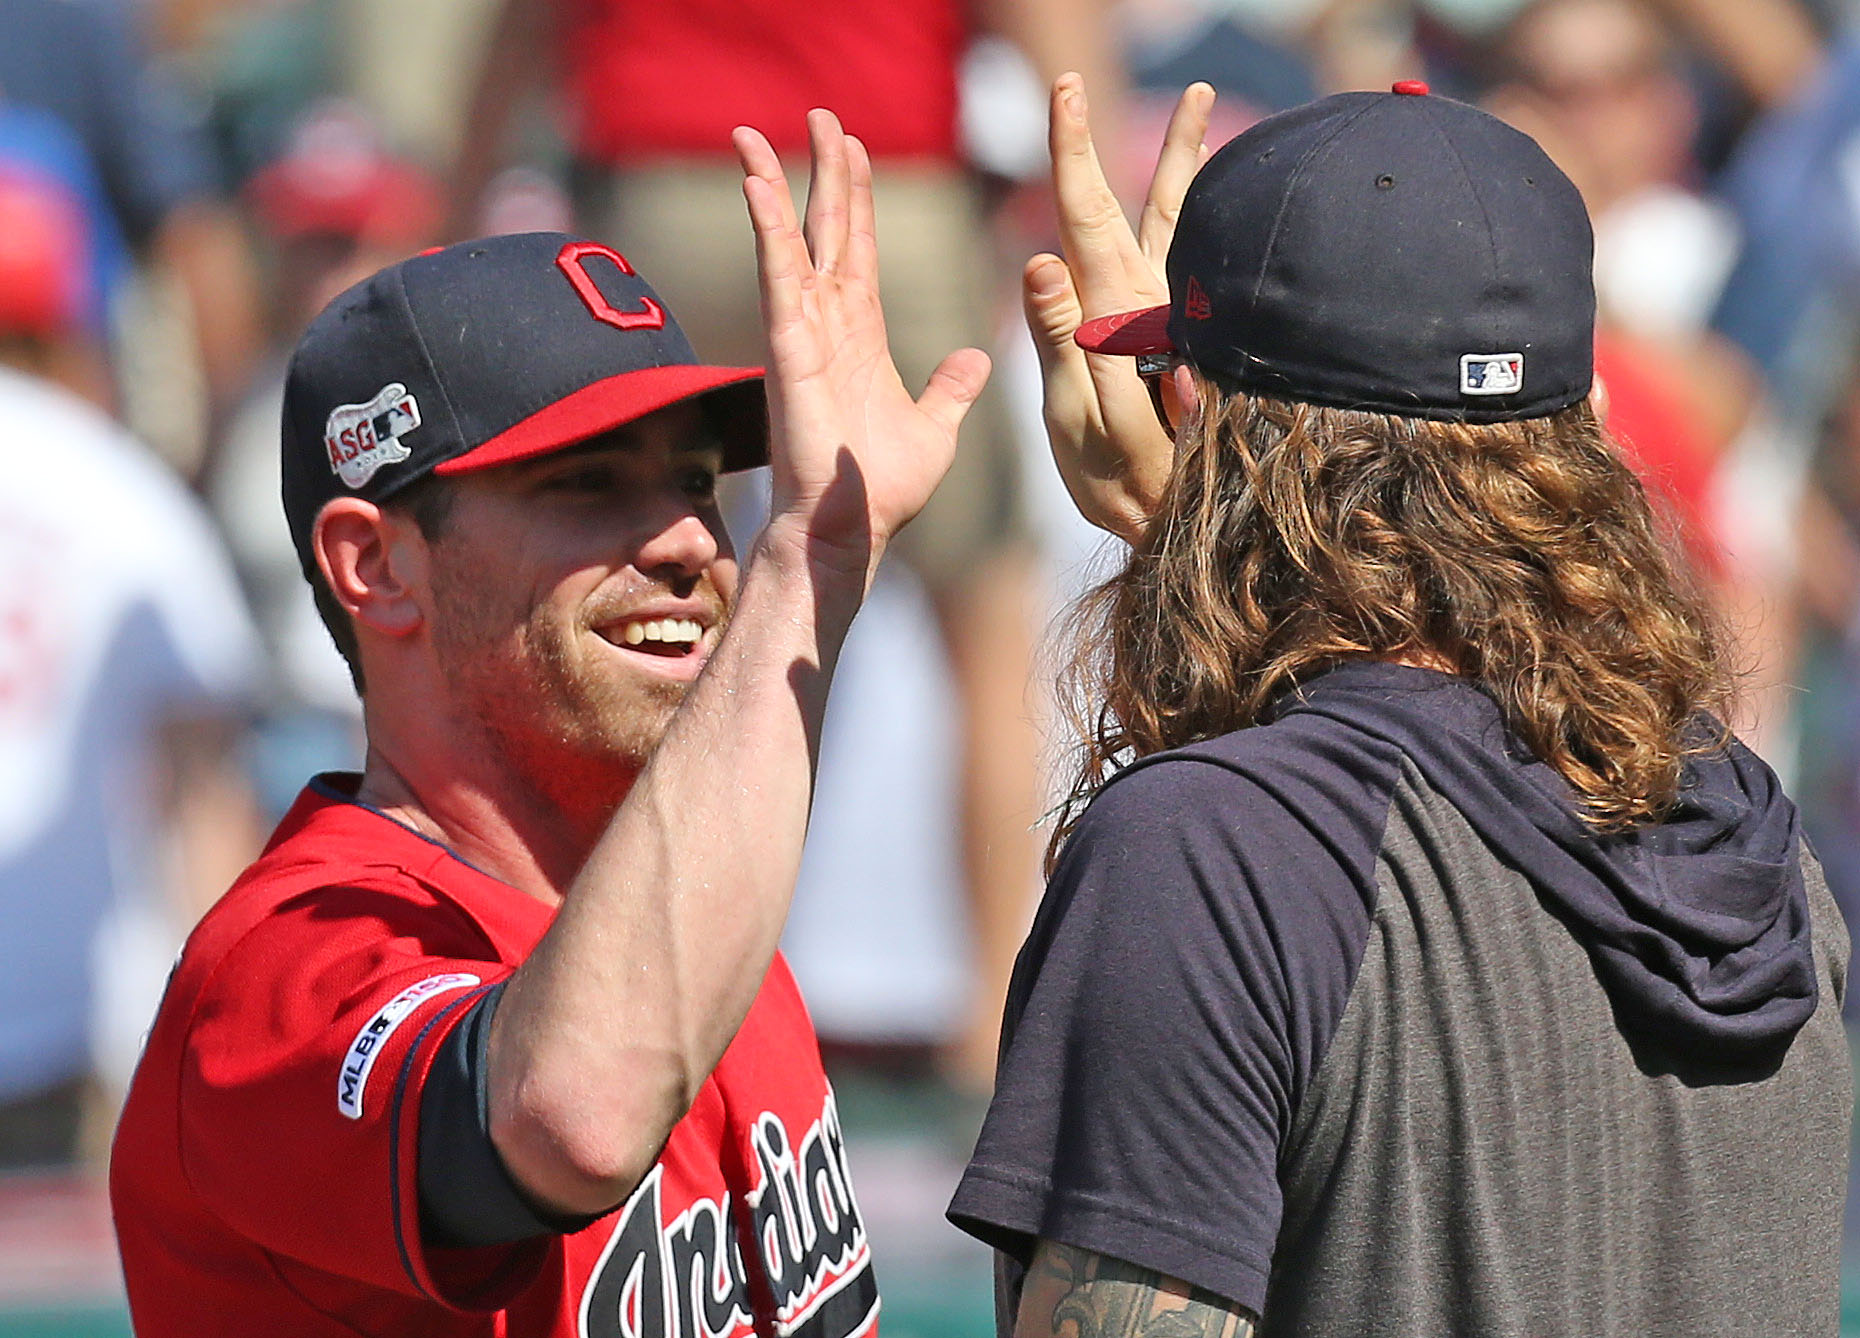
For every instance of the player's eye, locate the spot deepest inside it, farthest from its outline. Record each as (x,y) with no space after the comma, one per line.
(699,482)
(583,479)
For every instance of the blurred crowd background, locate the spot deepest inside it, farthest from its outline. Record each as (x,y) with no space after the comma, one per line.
(184,183)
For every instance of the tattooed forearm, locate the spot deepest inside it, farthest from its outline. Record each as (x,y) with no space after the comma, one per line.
(1073,1293)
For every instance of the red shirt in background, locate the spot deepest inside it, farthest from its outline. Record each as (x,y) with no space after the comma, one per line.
(656,79)
(1660,437)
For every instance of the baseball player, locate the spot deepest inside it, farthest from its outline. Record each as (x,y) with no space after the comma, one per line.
(1421,954)
(494,1037)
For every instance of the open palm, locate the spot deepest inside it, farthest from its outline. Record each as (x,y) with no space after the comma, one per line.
(854,455)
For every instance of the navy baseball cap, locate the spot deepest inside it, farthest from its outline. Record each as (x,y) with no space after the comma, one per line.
(1396,252)
(483,354)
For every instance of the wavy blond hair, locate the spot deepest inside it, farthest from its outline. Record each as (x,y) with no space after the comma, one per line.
(1524,556)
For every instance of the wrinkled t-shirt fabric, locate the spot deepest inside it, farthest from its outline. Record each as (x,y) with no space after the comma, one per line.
(1348,1018)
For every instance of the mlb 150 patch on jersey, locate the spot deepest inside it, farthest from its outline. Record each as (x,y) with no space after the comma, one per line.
(360,1059)
(361,438)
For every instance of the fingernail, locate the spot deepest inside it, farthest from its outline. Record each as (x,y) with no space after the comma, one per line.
(1075,104)
(1049,280)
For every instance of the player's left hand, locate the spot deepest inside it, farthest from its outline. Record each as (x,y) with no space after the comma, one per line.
(853,454)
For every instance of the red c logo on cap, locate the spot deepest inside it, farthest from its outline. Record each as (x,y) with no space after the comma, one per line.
(572,261)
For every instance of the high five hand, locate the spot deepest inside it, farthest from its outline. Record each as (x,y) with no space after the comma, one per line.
(1112,454)
(853,455)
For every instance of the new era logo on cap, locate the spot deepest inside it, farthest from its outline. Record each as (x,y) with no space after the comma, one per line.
(1491,373)
(1195,304)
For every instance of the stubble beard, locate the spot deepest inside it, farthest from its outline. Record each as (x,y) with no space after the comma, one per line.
(569,729)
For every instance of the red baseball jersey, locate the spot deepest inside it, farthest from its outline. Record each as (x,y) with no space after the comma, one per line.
(264,1177)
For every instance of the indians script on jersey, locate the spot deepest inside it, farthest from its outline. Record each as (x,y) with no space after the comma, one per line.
(677,1270)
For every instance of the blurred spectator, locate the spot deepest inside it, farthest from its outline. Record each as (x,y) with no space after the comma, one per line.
(1769,49)
(1602,85)
(652,92)
(1599,83)
(1359,44)
(125,663)
(1251,59)
(51,268)
(382,41)
(1659,435)
(331,210)
(81,62)
(1789,303)
(336,183)
(36,141)
(1792,186)
(1252,54)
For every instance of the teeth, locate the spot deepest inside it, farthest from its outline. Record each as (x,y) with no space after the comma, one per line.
(675,630)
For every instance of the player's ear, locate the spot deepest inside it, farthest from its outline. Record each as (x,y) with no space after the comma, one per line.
(1598,399)
(1187,395)
(375,564)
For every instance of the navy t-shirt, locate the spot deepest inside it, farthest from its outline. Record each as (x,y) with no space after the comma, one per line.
(1304,1009)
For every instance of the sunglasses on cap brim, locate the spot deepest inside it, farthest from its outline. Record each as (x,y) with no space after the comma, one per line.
(1154,369)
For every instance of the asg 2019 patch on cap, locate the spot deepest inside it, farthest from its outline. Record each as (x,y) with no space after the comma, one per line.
(1396,252)
(483,354)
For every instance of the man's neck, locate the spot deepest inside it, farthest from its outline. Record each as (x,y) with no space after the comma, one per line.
(526,843)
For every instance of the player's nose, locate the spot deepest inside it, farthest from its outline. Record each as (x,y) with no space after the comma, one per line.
(683,541)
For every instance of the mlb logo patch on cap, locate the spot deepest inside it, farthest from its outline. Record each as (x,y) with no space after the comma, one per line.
(1491,373)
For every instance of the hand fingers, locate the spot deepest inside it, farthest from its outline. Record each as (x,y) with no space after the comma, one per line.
(759,159)
(861,261)
(1093,231)
(1098,419)
(1183,152)
(827,190)
(1083,394)
(780,253)
(1069,400)
(1053,314)
(953,387)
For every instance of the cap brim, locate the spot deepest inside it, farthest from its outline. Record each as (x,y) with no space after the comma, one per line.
(1128,333)
(742,415)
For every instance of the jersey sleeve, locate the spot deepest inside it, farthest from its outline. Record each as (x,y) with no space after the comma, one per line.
(1187,968)
(300,1089)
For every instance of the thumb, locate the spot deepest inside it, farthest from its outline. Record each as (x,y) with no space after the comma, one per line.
(1053,311)
(953,387)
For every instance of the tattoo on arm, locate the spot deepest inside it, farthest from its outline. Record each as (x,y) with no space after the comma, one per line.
(1073,1293)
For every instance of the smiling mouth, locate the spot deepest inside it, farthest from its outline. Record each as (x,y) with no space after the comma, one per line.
(670,637)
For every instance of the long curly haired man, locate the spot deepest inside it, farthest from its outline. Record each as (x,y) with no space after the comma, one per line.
(1421,953)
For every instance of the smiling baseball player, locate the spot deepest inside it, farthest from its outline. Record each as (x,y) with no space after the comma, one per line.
(494,1036)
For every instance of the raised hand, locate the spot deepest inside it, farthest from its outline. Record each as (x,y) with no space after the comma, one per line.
(853,454)
(1111,452)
